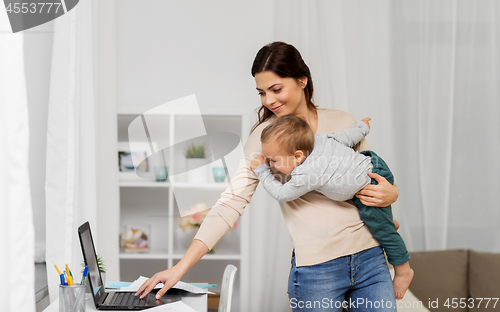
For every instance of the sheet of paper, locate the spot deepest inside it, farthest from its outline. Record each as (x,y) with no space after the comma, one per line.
(180,285)
(137,284)
(177,306)
(204,286)
(191,288)
(117,285)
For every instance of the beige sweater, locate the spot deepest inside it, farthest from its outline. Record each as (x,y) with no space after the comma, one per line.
(321,229)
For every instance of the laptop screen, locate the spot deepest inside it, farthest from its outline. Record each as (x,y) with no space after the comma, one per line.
(90,259)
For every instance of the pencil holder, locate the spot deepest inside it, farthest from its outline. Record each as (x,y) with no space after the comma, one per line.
(72,298)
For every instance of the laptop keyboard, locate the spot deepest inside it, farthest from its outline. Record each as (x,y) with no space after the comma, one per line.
(126,299)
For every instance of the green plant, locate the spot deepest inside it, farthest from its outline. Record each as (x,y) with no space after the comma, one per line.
(100,265)
(195,151)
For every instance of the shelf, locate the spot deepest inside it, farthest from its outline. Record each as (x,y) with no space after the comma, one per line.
(145,183)
(159,254)
(211,186)
(144,201)
(213,257)
(164,255)
(152,111)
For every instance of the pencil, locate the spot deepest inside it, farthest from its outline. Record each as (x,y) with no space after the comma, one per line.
(58,271)
(70,279)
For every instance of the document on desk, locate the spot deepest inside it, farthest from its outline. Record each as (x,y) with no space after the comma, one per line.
(177,306)
(180,285)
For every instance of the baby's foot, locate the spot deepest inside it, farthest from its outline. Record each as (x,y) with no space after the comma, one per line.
(401,283)
(396,224)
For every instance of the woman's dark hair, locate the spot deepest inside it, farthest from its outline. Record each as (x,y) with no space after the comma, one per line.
(285,61)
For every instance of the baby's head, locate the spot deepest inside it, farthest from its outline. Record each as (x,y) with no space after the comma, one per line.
(287,142)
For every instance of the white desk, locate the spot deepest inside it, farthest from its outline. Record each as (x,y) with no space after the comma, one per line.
(197,302)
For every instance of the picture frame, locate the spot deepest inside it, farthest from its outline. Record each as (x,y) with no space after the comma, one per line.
(135,238)
(131,161)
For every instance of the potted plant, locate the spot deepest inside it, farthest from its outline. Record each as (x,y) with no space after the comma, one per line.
(195,163)
(102,269)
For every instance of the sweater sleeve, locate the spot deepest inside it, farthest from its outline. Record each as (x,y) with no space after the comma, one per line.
(349,121)
(293,189)
(232,202)
(351,136)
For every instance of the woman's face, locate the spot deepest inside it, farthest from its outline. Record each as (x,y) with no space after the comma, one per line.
(282,96)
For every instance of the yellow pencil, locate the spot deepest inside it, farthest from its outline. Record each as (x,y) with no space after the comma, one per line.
(56,268)
(70,279)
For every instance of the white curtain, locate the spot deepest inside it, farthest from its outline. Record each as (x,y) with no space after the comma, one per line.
(427,73)
(16,221)
(446,79)
(270,252)
(71,155)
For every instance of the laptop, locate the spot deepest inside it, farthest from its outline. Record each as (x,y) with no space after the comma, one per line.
(104,300)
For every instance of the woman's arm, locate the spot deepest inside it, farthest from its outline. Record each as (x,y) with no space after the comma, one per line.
(171,276)
(221,218)
(381,195)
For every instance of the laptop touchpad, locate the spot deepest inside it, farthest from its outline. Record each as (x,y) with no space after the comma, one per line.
(169,297)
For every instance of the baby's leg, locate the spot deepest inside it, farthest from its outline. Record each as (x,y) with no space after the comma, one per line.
(403,275)
(381,225)
(384,229)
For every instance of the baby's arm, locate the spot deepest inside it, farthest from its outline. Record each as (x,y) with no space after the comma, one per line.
(352,136)
(293,189)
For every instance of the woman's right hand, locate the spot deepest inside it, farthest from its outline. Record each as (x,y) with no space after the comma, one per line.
(381,195)
(168,277)
(171,276)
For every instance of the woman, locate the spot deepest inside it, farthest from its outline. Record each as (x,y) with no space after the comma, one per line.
(335,257)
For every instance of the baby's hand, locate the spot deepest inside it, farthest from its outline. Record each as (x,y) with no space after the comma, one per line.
(367,121)
(257,161)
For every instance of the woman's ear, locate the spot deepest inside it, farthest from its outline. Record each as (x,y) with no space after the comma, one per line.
(302,82)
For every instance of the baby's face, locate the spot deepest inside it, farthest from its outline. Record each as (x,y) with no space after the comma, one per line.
(278,159)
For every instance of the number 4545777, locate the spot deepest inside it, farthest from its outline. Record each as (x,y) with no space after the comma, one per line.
(40,7)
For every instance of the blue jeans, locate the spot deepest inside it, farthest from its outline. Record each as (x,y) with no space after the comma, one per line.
(361,279)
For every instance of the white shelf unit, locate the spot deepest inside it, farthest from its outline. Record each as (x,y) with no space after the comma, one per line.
(145,201)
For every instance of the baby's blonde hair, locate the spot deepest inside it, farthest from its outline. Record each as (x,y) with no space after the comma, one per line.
(291,133)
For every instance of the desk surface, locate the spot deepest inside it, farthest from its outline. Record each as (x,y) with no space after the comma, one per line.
(197,302)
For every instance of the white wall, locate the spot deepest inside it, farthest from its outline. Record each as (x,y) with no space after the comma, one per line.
(152,52)
(105,74)
(170,49)
(37,57)
(173,50)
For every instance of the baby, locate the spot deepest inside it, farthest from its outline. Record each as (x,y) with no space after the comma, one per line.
(327,163)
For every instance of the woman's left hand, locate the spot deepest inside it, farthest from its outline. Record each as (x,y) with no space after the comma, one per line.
(381,195)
